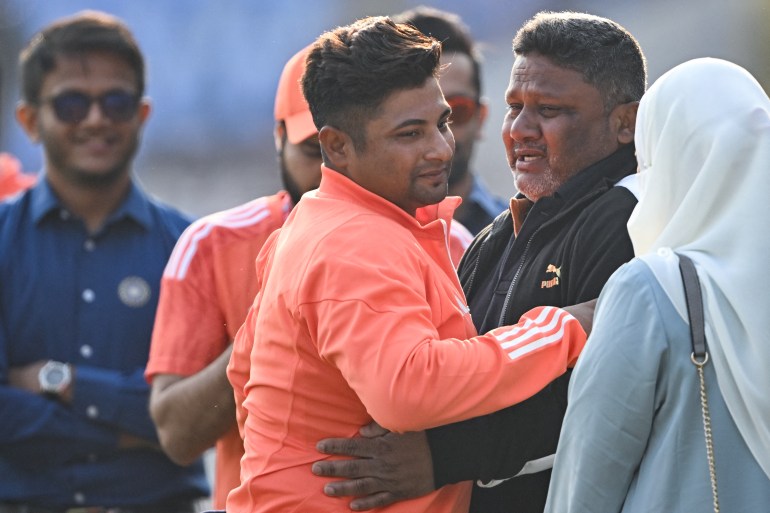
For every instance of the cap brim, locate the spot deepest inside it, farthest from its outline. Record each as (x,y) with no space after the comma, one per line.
(299,127)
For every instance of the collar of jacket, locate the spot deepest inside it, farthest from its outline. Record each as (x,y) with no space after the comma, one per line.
(581,188)
(593,180)
(427,220)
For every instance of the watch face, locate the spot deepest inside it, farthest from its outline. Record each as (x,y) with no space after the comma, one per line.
(55,377)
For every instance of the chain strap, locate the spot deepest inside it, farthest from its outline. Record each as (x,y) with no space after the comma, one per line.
(704,405)
(699,357)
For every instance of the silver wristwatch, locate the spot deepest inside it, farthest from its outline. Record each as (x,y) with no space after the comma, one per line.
(54,377)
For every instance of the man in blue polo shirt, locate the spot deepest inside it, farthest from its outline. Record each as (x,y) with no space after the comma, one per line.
(81,256)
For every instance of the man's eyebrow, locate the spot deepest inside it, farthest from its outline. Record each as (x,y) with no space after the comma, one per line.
(418,122)
(410,122)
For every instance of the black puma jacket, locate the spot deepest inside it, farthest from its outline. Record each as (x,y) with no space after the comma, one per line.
(567,247)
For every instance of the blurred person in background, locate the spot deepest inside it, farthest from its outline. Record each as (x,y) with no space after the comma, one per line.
(206,291)
(460,81)
(12,179)
(81,256)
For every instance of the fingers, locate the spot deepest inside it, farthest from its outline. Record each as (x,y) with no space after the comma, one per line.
(342,468)
(354,487)
(377,500)
(373,430)
(357,447)
(367,489)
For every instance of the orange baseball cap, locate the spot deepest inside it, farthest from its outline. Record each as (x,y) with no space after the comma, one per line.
(290,104)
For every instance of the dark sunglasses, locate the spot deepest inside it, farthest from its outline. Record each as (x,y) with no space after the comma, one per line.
(463,108)
(73,107)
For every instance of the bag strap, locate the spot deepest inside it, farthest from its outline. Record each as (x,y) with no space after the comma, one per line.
(694,300)
(699,357)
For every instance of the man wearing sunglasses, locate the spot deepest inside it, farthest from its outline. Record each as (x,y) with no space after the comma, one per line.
(81,256)
(460,81)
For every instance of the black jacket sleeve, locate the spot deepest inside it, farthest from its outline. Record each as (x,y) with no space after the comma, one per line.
(497,446)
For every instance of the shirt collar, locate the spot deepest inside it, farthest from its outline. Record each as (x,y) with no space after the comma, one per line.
(519,206)
(136,206)
(336,184)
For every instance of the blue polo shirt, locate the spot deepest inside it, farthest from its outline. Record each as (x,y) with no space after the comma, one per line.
(89,300)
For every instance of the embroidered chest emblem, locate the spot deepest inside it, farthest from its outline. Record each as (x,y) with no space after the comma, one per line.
(134,291)
(554,279)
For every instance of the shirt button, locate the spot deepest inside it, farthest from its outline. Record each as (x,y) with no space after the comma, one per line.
(86,351)
(92,458)
(92,412)
(79,498)
(64,215)
(88,296)
(89,245)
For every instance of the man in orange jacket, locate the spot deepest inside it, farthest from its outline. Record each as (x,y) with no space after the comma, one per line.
(360,314)
(207,289)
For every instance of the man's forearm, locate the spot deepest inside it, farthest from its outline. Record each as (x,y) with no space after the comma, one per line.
(36,431)
(192,412)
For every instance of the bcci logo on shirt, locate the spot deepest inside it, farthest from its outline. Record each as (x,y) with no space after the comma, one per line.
(553,281)
(134,291)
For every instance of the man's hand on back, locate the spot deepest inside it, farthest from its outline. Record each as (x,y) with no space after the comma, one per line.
(386,467)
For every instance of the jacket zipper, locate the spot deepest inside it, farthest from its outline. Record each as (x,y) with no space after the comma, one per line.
(476,265)
(508,295)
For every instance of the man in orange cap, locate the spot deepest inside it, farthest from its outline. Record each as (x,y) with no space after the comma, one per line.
(207,289)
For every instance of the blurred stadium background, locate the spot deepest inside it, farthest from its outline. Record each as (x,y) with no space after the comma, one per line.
(214,64)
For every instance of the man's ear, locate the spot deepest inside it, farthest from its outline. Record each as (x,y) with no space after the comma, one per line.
(26,116)
(336,148)
(624,115)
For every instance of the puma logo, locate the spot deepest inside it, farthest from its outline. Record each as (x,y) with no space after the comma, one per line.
(553,282)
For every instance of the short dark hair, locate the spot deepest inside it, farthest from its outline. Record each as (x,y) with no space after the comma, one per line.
(84,32)
(351,70)
(605,53)
(450,30)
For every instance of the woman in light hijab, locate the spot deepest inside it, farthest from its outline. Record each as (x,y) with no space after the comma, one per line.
(633,436)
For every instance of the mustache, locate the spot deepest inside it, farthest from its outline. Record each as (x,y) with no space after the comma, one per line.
(529,146)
